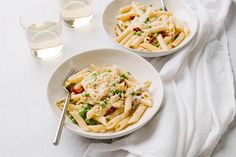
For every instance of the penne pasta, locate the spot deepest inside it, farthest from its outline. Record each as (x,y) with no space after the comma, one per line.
(146,102)
(130,41)
(100,119)
(79,120)
(141,26)
(105,99)
(123,35)
(127,16)
(146,95)
(149,47)
(97,128)
(125,9)
(115,113)
(136,8)
(121,86)
(118,30)
(95,110)
(179,39)
(118,104)
(158,29)
(124,41)
(137,114)
(76,78)
(162,42)
(128,104)
(167,39)
(111,124)
(137,41)
(122,124)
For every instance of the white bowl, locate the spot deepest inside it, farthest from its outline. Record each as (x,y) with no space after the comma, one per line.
(139,67)
(180,10)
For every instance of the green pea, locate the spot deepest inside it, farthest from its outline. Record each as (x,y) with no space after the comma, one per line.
(139,33)
(134,33)
(86,94)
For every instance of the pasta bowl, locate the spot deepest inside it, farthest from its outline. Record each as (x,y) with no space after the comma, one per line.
(136,65)
(179,9)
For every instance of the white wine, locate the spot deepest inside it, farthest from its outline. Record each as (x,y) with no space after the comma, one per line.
(44,39)
(76,13)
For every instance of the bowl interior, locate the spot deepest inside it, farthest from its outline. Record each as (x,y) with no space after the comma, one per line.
(137,66)
(180,10)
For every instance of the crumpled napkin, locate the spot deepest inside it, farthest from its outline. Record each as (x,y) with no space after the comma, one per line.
(199,98)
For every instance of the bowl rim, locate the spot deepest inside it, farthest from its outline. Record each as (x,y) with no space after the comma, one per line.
(155,53)
(116,134)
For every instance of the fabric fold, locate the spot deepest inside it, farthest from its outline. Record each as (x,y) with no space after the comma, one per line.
(199,101)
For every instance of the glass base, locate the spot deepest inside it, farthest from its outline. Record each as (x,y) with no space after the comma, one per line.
(78,22)
(47,53)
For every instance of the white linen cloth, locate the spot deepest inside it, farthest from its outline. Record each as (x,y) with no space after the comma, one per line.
(199,98)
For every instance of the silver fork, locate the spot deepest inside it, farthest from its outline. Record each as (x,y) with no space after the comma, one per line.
(163,5)
(63,115)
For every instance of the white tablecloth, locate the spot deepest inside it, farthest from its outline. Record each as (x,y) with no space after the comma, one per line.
(27,126)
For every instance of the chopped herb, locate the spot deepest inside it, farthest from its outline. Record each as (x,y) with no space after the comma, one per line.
(156,34)
(150,5)
(73,100)
(91,122)
(104,104)
(123,77)
(114,92)
(146,20)
(160,9)
(114,84)
(144,10)
(149,26)
(129,73)
(109,70)
(95,75)
(86,94)
(133,93)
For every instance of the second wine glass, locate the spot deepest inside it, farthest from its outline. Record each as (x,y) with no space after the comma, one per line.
(76,13)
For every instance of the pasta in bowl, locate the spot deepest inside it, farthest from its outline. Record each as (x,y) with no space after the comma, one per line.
(146,29)
(122,85)
(105,98)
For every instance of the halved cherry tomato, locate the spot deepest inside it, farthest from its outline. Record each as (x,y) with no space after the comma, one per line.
(77,89)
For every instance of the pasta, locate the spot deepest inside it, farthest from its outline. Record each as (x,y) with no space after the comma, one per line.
(148,28)
(105,99)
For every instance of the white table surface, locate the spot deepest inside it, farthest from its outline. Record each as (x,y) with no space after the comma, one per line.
(27,126)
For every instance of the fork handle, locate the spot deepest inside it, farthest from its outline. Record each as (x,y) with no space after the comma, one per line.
(61,122)
(163,5)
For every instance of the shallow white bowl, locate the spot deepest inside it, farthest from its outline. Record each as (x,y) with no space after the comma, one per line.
(180,10)
(139,67)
